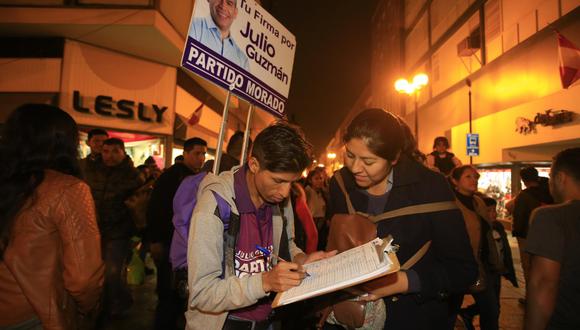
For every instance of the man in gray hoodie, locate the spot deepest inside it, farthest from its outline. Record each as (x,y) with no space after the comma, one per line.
(230,279)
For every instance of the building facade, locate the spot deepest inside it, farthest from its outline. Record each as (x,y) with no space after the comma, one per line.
(496,61)
(114,65)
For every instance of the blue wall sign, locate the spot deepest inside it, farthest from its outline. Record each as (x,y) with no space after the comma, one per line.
(472,144)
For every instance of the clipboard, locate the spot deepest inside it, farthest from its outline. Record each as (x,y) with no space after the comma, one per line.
(360,264)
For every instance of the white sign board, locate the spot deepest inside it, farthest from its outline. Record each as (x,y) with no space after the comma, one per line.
(239,46)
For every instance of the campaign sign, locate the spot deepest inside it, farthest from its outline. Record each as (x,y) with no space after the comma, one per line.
(472,144)
(239,46)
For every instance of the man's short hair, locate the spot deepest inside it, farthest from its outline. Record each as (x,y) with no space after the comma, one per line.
(529,174)
(190,143)
(179,158)
(150,161)
(114,142)
(97,131)
(282,148)
(236,142)
(568,161)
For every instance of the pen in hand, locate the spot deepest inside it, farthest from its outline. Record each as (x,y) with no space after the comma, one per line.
(267,252)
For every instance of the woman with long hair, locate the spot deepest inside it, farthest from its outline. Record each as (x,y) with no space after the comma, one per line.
(51,271)
(384,171)
(492,263)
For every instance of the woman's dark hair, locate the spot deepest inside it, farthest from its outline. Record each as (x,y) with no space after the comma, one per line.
(35,137)
(282,147)
(458,171)
(384,133)
(441,139)
(312,173)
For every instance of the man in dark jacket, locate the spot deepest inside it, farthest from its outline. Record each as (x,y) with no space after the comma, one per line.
(160,229)
(95,140)
(112,180)
(535,195)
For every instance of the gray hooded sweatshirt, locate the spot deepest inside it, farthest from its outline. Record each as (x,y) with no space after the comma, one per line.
(211,297)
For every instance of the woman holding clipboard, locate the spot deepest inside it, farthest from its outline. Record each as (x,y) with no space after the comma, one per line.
(384,172)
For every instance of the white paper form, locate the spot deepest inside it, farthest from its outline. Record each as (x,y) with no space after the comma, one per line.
(346,269)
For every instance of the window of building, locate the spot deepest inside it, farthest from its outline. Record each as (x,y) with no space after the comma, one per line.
(412,9)
(444,13)
(417,43)
(448,66)
(493,27)
(522,19)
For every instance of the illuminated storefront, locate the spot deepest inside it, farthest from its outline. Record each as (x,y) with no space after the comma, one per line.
(497,182)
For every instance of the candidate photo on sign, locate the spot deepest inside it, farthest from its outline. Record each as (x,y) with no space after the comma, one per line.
(214,31)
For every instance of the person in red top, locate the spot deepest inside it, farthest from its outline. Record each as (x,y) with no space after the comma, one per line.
(306,234)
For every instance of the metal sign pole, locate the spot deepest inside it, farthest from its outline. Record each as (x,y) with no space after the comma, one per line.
(247,135)
(416,119)
(223,128)
(468,82)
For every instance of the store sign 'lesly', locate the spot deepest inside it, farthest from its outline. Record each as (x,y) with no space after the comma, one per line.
(240,46)
(124,109)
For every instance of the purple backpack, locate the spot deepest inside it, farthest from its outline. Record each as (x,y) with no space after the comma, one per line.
(183,205)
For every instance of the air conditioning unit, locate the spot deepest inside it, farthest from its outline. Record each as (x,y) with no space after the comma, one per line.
(469,45)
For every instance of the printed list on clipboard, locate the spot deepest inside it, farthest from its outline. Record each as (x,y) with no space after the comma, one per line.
(355,266)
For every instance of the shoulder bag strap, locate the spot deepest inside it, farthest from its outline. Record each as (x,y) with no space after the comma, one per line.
(415,209)
(340,182)
(417,256)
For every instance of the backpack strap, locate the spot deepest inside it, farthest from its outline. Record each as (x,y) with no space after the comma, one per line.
(223,210)
(340,182)
(284,248)
(231,222)
(415,209)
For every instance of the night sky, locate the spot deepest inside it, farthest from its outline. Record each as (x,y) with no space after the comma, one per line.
(332,62)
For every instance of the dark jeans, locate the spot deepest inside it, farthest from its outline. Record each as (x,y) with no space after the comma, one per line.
(170,310)
(487,304)
(117,297)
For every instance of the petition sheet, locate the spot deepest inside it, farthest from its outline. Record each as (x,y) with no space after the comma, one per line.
(350,267)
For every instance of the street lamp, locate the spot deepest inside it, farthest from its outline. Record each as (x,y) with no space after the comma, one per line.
(420,80)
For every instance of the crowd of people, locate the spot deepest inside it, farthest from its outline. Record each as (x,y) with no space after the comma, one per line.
(66,228)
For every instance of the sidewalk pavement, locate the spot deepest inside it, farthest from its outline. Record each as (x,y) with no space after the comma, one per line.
(141,315)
